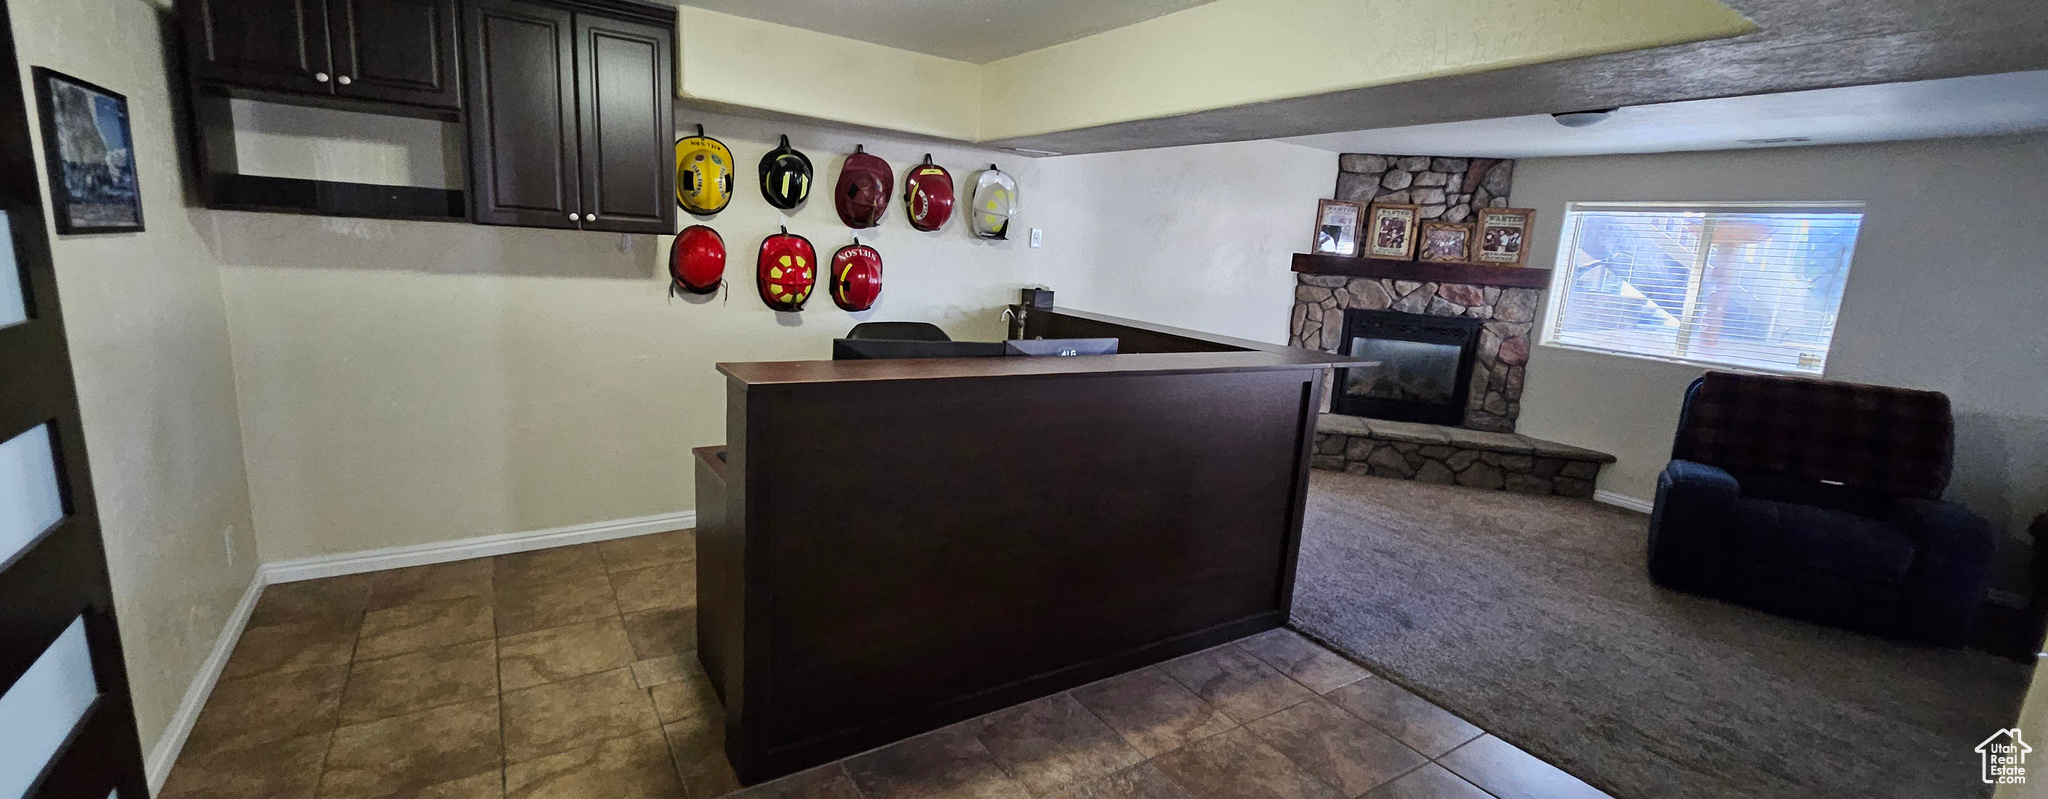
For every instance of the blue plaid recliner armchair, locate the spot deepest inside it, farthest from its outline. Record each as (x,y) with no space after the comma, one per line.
(1822,501)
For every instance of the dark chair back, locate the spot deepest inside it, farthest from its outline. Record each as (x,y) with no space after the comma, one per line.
(898,331)
(1895,441)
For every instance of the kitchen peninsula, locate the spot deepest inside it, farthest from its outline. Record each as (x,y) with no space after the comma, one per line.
(887,547)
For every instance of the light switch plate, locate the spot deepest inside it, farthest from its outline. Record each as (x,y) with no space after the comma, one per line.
(1037,238)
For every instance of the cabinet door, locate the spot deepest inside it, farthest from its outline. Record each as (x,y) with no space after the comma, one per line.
(628,128)
(521,74)
(265,44)
(397,50)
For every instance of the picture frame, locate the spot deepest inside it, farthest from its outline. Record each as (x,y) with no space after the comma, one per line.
(1390,231)
(1337,227)
(89,155)
(1444,242)
(1500,236)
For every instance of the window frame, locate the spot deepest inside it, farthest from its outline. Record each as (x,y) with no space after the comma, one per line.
(1560,277)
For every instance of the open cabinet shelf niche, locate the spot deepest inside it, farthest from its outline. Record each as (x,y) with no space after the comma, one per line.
(258,154)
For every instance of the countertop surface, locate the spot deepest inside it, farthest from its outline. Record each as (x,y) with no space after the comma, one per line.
(1231,355)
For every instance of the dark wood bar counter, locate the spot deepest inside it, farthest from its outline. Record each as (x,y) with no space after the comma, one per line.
(887,547)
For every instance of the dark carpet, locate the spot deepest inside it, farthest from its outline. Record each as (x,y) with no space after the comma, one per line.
(1533,618)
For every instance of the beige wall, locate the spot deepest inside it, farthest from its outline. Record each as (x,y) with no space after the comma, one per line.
(149,344)
(1197,237)
(1945,293)
(414,382)
(752,64)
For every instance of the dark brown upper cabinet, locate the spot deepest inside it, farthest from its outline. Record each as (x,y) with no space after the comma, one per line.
(259,44)
(625,112)
(402,51)
(571,121)
(384,51)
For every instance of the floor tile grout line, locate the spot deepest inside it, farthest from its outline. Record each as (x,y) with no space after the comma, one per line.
(669,745)
(348,675)
(1127,739)
(1142,758)
(1283,672)
(497,673)
(1426,759)
(1247,725)
(1375,674)
(850,781)
(1248,653)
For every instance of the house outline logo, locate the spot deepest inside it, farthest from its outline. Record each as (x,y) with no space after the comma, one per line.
(2004,763)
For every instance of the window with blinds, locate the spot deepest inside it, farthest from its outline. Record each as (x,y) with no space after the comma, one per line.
(1751,286)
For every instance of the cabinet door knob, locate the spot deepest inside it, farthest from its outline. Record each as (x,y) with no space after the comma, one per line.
(590,217)
(575,217)
(320,76)
(343,80)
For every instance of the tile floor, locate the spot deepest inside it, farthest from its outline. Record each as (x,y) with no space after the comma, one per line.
(569,673)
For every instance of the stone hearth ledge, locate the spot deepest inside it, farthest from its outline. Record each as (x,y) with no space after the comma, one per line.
(1439,454)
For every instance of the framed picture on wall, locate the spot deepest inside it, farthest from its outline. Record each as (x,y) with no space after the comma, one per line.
(1337,228)
(1444,242)
(89,155)
(1500,236)
(1390,231)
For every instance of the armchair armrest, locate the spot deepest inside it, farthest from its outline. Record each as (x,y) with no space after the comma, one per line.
(1688,527)
(1950,570)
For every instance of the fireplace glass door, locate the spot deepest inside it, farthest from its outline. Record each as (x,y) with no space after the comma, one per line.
(1418,366)
(1408,371)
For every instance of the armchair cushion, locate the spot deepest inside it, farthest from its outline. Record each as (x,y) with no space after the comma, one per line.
(1791,536)
(1892,441)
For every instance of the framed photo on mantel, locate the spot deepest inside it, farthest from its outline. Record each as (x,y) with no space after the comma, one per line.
(1444,242)
(1337,228)
(1501,236)
(1390,231)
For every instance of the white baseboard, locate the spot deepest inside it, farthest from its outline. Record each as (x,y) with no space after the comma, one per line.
(165,753)
(1623,501)
(172,741)
(483,546)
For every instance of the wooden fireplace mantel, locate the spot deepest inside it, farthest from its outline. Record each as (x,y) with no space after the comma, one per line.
(1422,271)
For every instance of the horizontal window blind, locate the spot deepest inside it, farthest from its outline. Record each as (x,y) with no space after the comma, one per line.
(1750,286)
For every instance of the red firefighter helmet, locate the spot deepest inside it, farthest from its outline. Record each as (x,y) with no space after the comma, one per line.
(786,270)
(696,260)
(856,276)
(928,195)
(865,183)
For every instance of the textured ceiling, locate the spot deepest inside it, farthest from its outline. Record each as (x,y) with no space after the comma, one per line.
(1799,45)
(1981,105)
(976,31)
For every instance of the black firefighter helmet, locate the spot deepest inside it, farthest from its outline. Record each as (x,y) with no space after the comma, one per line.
(785,176)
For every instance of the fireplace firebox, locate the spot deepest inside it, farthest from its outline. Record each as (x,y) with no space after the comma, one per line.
(1423,371)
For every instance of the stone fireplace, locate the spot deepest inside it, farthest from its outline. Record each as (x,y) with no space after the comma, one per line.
(1505,317)
(1451,342)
